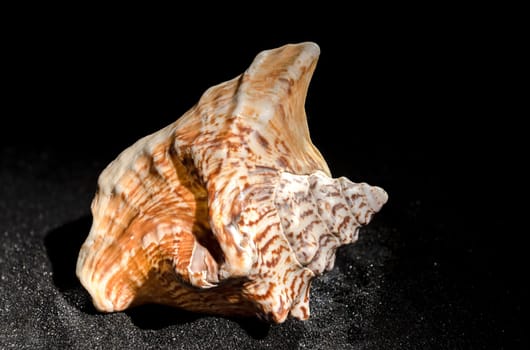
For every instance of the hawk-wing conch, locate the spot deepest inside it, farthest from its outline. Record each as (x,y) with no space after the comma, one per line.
(229,210)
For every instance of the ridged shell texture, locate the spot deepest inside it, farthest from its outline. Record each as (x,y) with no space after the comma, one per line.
(231,209)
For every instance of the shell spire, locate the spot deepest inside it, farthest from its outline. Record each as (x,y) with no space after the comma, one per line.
(229,210)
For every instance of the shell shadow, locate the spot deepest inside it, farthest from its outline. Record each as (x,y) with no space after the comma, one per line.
(62,247)
(153,317)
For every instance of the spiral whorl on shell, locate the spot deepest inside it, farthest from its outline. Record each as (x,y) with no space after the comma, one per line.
(231,209)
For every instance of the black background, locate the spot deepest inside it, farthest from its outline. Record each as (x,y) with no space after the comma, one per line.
(420,105)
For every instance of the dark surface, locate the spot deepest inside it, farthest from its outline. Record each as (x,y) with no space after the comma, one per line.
(440,267)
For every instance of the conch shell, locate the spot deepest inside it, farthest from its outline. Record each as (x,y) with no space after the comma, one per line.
(229,210)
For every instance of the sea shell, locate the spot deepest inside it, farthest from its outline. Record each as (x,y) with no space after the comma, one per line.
(229,210)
